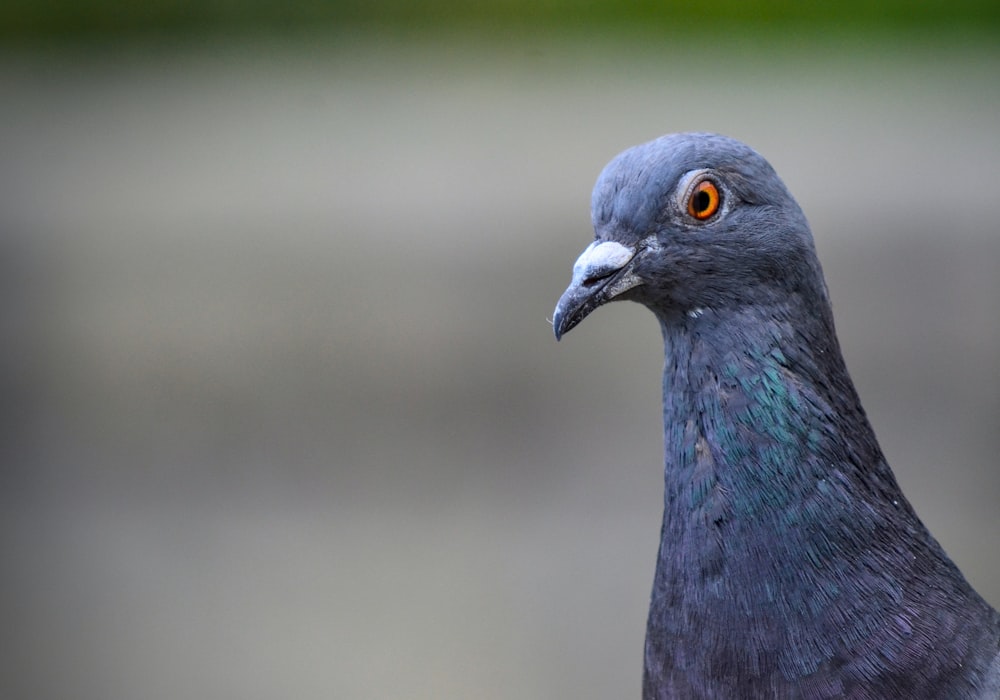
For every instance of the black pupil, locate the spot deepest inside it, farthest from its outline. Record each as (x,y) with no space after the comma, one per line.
(701,201)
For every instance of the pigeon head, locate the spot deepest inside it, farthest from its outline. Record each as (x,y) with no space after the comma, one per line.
(691,222)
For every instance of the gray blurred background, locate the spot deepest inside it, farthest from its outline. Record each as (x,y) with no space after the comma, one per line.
(283,413)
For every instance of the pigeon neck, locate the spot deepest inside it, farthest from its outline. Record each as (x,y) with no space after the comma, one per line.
(747,401)
(756,518)
(786,546)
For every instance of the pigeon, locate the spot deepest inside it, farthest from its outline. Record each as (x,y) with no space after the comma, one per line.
(790,563)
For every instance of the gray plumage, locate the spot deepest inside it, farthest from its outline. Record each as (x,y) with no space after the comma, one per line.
(790,563)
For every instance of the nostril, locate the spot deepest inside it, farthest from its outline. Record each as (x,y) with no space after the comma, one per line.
(600,261)
(601,271)
(593,278)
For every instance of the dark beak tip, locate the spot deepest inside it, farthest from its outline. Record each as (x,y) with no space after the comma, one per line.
(557,329)
(573,306)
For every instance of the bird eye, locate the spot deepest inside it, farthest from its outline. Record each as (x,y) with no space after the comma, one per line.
(704,200)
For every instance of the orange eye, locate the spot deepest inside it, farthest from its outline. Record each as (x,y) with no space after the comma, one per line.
(704,200)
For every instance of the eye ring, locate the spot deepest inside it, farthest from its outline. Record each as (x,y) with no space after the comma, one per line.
(704,200)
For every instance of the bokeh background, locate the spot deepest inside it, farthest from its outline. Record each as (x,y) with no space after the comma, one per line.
(283,414)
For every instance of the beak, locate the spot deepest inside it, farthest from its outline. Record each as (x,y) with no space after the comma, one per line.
(601,274)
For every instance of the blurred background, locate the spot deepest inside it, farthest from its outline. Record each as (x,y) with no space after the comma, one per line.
(283,414)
